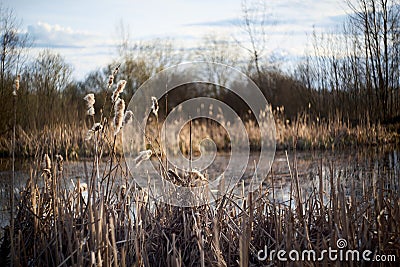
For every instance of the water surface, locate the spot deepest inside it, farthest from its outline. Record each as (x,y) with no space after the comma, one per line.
(354,168)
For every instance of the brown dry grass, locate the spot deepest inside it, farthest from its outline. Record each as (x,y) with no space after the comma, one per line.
(56,226)
(69,140)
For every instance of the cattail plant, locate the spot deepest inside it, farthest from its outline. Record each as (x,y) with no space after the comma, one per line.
(112,76)
(154,110)
(89,98)
(16,88)
(119,109)
(47,163)
(120,88)
(47,172)
(110,81)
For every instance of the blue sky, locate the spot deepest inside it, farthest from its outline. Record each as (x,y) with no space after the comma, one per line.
(84,31)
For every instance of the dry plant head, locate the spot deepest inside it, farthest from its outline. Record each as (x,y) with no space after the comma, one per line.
(154,106)
(110,81)
(60,162)
(96,127)
(120,88)
(16,85)
(112,76)
(143,155)
(119,115)
(47,163)
(89,98)
(116,70)
(127,117)
(198,175)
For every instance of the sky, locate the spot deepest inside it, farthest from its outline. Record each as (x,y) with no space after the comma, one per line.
(86,34)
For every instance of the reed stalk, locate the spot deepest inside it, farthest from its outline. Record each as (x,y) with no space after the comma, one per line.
(12,197)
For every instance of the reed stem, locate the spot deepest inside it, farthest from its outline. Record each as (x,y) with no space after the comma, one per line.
(13,183)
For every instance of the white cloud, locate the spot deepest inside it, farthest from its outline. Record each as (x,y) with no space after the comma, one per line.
(88,41)
(47,35)
(85,51)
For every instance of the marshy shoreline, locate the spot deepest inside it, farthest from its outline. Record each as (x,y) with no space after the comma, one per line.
(302,134)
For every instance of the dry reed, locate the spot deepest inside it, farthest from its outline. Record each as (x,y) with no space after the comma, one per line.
(124,231)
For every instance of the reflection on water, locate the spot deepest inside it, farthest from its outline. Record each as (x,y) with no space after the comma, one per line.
(355,169)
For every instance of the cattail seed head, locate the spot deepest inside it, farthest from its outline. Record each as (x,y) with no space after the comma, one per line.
(110,81)
(116,70)
(119,115)
(198,175)
(89,98)
(121,85)
(119,105)
(120,88)
(47,162)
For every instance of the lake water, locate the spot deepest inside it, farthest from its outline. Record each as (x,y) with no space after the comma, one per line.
(355,168)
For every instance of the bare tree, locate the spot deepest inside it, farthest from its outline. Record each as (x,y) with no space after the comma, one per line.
(254,21)
(217,49)
(378,25)
(142,59)
(48,76)
(12,55)
(355,69)
(13,43)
